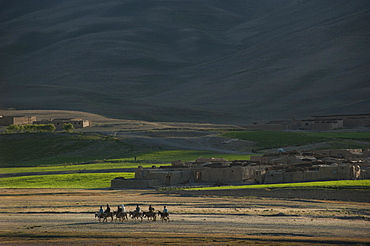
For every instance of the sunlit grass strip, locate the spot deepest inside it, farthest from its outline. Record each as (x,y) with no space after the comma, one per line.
(271,139)
(337,184)
(158,158)
(95,166)
(76,180)
(145,160)
(184,155)
(342,135)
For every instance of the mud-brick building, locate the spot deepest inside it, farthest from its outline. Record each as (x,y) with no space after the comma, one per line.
(203,170)
(321,172)
(345,154)
(282,167)
(154,177)
(315,123)
(16,120)
(321,124)
(59,122)
(349,121)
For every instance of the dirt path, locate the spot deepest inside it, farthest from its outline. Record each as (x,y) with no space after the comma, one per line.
(45,216)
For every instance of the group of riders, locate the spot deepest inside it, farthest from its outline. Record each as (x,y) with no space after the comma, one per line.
(137,213)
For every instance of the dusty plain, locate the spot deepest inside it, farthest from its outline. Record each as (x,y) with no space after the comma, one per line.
(66,217)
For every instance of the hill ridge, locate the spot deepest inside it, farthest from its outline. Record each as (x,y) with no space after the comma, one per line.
(201,61)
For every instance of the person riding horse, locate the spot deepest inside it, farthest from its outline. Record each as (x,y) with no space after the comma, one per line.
(107,210)
(164,215)
(119,210)
(137,210)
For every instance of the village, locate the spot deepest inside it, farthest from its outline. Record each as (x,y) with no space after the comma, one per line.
(278,167)
(312,123)
(281,167)
(57,122)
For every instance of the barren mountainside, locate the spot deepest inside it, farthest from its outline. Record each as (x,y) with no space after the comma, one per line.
(204,61)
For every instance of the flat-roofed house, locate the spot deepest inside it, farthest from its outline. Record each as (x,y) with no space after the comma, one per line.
(59,122)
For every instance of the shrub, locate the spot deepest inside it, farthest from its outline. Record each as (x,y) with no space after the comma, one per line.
(31,128)
(13,128)
(68,127)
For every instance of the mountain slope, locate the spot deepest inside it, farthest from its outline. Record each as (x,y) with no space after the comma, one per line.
(205,61)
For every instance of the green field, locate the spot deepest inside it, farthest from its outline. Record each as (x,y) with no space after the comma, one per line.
(148,159)
(64,149)
(97,180)
(35,149)
(75,152)
(270,139)
(102,180)
(76,180)
(337,184)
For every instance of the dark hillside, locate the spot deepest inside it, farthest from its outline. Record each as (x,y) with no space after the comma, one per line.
(34,149)
(203,61)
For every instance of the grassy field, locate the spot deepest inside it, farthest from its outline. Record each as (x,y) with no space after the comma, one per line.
(75,168)
(75,180)
(55,152)
(97,180)
(53,149)
(268,139)
(34,149)
(49,149)
(166,156)
(102,180)
(337,184)
(147,159)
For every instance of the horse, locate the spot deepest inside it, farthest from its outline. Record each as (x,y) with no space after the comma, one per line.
(164,216)
(104,216)
(121,216)
(136,215)
(152,216)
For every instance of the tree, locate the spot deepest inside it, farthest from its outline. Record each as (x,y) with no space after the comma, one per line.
(68,127)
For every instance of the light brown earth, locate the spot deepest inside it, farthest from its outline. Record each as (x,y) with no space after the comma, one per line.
(66,217)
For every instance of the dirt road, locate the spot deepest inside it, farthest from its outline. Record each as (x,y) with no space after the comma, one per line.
(66,217)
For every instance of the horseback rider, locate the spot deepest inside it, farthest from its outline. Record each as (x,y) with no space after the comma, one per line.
(164,214)
(123,208)
(137,210)
(151,209)
(107,210)
(165,210)
(119,210)
(101,210)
